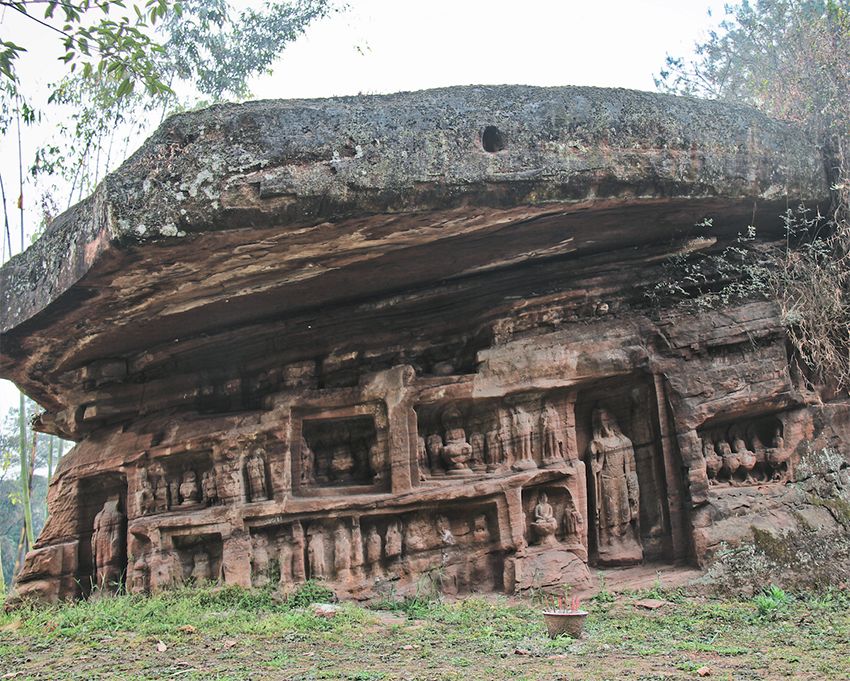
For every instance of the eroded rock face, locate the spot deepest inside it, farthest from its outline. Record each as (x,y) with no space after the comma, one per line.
(390,341)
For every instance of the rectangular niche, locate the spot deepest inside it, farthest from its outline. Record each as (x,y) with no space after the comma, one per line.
(746,450)
(199,557)
(340,452)
(181,480)
(93,494)
(631,406)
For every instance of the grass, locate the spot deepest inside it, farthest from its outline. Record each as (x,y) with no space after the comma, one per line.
(230,633)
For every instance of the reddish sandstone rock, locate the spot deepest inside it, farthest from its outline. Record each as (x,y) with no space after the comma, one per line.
(403,342)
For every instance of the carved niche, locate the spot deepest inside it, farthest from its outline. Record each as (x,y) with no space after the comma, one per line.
(552,516)
(340,451)
(102,527)
(197,558)
(520,432)
(456,544)
(746,452)
(179,481)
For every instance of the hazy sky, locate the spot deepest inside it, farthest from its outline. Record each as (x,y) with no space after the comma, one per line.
(387,46)
(379,46)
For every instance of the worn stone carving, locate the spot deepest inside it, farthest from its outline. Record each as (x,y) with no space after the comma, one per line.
(552,431)
(255,472)
(174,499)
(373,548)
(160,493)
(392,541)
(145,498)
(494,451)
(573,520)
(617,491)
(298,566)
(737,456)
(201,568)
(141,575)
(342,553)
(316,553)
(523,428)
(285,560)
(189,490)
(209,487)
(260,560)
(434,446)
(108,546)
(424,363)
(456,450)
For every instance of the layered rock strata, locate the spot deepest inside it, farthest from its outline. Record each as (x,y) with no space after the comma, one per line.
(404,340)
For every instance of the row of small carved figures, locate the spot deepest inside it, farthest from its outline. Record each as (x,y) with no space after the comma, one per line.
(512,438)
(343,461)
(186,491)
(299,558)
(736,463)
(201,570)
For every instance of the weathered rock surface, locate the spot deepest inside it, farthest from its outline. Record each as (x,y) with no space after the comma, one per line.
(381,340)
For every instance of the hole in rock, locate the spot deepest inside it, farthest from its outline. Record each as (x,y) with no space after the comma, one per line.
(492,139)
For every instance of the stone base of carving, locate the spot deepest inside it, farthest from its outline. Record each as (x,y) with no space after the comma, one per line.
(542,568)
(618,551)
(553,463)
(524,465)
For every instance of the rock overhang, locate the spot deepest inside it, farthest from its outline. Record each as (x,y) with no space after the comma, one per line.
(240,213)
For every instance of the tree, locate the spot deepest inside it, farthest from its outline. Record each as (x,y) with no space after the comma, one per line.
(126,67)
(96,38)
(200,48)
(13,513)
(791,59)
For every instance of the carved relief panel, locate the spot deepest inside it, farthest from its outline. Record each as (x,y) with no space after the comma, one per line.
(746,452)
(176,482)
(520,432)
(460,543)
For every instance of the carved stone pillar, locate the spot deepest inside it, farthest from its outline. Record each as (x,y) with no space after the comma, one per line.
(391,386)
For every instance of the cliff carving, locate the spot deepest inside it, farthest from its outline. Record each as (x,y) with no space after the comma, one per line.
(381,340)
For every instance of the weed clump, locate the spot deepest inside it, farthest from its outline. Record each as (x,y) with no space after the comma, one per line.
(311,591)
(771,601)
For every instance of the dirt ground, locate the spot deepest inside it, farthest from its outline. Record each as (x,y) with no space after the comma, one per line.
(227,634)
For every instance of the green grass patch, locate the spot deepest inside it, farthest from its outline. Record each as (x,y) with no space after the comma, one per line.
(230,633)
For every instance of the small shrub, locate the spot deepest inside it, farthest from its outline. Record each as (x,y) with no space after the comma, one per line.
(603,596)
(311,591)
(771,601)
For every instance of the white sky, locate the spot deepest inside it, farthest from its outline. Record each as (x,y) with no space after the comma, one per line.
(380,46)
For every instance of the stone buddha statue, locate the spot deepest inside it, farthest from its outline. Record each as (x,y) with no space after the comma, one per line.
(107,541)
(617,494)
(544,524)
(456,450)
(552,433)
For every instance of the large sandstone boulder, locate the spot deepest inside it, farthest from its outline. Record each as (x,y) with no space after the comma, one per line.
(386,340)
